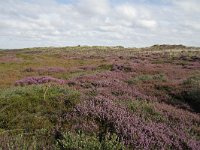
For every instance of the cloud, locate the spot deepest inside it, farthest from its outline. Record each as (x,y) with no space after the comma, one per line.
(190,6)
(127,11)
(151,24)
(93,6)
(29,23)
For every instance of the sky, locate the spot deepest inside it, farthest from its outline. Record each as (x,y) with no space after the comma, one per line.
(129,23)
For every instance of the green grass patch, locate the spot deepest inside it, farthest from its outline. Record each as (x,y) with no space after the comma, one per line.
(147,78)
(86,142)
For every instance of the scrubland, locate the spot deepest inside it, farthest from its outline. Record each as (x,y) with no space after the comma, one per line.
(100,98)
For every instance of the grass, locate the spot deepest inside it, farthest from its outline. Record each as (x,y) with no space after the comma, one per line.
(39,139)
(147,78)
(88,142)
(12,71)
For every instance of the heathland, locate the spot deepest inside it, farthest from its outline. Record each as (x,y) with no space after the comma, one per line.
(100,98)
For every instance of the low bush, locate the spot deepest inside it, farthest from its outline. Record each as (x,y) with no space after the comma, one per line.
(191,92)
(133,130)
(35,107)
(27,141)
(144,109)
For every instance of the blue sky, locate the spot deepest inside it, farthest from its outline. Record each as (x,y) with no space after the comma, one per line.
(131,23)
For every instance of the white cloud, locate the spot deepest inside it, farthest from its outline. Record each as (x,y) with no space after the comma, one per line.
(150,24)
(127,12)
(98,22)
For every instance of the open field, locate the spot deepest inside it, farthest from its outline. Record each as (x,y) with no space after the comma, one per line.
(100,98)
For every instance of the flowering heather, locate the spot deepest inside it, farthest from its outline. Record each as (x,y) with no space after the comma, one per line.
(133,130)
(110,84)
(177,115)
(9,59)
(38,80)
(117,67)
(146,98)
(193,65)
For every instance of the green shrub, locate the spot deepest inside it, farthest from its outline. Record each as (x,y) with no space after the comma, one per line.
(105,67)
(145,109)
(81,141)
(35,107)
(146,78)
(192,81)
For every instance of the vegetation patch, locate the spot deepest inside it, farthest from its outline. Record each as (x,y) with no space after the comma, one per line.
(192,94)
(86,142)
(155,110)
(40,139)
(38,80)
(147,78)
(144,109)
(35,107)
